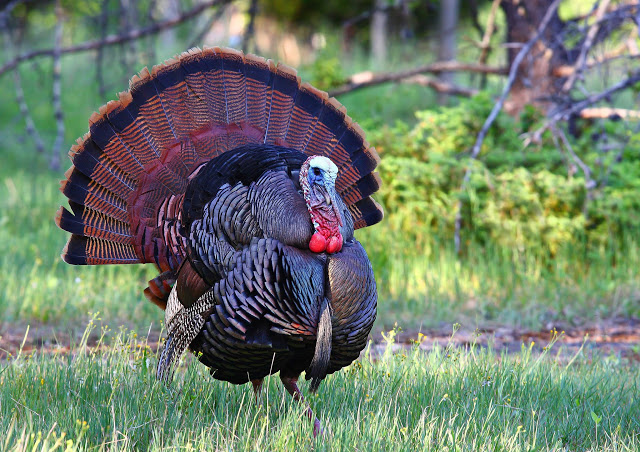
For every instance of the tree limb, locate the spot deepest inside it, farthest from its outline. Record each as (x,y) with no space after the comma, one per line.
(582,58)
(513,71)
(111,39)
(440,86)
(368,78)
(577,107)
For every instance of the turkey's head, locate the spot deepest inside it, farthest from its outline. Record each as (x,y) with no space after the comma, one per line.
(318,181)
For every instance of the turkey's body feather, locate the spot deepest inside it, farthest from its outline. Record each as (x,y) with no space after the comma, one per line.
(197,169)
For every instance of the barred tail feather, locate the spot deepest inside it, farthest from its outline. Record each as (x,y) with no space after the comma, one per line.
(145,147)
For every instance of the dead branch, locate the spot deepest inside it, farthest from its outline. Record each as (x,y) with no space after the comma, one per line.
(582,58)
(609,112)
(103,22)
(247,40)
(440,86)
(513,71)
(485,45)
(57,88)
(112,39)
(577,107)
(589,183)
(368,78)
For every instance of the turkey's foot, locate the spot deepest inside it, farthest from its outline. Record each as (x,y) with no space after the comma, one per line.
(291,384)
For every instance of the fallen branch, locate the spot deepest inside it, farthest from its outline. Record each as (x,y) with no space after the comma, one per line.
(440,86)
(368,78)
(608,113)
(595,98)
(111,39)
(513,72)
(582,58)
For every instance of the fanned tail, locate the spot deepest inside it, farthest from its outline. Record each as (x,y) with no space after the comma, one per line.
(130,172)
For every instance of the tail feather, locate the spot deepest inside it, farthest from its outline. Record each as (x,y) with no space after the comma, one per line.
(304,117)
(144,147)
(235,86)
(282,93)
(258,75)
(81,250)
(90,223)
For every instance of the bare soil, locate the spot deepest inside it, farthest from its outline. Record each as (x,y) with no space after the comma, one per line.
(618,336)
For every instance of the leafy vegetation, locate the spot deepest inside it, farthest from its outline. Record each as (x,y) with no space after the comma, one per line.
(446,399)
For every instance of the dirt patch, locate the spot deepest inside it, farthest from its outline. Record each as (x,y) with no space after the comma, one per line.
(618,336)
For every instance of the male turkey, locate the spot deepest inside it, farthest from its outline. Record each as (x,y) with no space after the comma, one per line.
(243,187)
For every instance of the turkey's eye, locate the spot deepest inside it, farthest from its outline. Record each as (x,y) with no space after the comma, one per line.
(317,171)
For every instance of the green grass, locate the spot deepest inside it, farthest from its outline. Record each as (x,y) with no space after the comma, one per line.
(418,287)
(446,399)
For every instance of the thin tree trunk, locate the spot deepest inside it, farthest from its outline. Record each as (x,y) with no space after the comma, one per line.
(447,50)
(57,90)
(379,35)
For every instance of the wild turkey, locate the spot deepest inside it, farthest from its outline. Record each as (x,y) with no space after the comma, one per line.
(243,187)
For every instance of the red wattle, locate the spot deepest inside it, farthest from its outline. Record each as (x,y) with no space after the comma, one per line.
(318,243)
(335,244)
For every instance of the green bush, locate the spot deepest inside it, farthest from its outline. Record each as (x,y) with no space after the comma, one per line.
(518,196)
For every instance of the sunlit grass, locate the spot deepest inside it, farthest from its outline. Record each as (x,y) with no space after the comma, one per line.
(417,287)
(447,399)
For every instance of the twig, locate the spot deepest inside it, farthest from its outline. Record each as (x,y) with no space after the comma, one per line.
(440,86)
(112,39)
(368,78)
(608,112)
(579,106)
(151,50)
(582,58)
(485,45)
(513,71)
(103,22)
(57,88)
(247,40)
(589,183)
(197,40)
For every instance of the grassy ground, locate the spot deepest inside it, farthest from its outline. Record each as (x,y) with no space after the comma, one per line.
(418,288)
(446,399)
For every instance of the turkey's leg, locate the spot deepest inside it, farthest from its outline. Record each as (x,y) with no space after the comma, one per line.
(257,387)
(290,383)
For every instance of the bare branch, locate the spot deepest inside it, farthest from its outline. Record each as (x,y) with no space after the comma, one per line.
(102,25)
(368,78)
(247,41)
(608,112)
(57,88)
(440,86)
(513,71)
(485,45)
(595,98)
(112,39)
(589,183)
(582,58)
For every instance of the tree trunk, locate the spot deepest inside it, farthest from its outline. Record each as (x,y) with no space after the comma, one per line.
(535,82)
(447,51)
(379,35)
